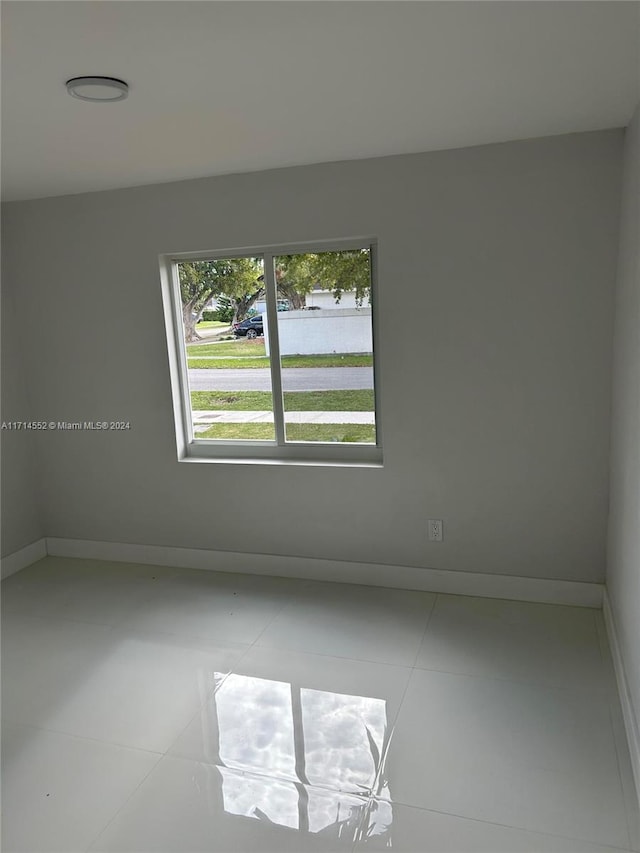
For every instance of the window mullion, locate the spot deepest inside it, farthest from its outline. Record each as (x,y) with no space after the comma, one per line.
(274,347)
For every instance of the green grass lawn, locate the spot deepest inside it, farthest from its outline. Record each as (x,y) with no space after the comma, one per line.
(232,401)
(339,433)
(212,324)
(241,347)
(294,401)
(287,361)
(228,363)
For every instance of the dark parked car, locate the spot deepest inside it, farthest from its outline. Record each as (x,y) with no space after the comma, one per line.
(250,328)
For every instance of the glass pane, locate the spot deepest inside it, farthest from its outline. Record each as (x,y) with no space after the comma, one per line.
(326,346)
(224,315)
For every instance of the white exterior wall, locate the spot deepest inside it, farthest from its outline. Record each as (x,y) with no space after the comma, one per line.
(326,299)
(319,299)
(344,330)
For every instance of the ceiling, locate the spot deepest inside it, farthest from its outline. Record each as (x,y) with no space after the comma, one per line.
(220,87)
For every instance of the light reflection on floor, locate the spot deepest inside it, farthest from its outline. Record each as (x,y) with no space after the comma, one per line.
(257,730)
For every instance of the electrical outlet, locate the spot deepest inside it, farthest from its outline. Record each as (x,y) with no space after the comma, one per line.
(435,529)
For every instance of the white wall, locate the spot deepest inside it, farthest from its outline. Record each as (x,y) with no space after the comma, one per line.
(623,570)
(335,330)
(319,299)
(20,513)
(496,269)
(326,299)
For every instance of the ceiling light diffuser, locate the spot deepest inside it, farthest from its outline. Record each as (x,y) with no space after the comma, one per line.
(101,89)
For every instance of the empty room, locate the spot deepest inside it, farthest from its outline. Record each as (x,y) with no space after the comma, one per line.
(320,426)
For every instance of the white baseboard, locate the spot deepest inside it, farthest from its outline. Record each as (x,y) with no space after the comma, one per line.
(630,717)
(23,558)
(341,571)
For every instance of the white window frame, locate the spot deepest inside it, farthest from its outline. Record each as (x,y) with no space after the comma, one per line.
(192,449)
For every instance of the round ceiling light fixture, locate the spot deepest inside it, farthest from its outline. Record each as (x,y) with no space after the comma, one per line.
(100,89)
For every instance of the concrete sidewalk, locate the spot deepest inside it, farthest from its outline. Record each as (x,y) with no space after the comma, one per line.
(203,419)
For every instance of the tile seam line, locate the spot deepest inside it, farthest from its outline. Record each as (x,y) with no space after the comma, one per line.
(139,633)
(605,845)
(116,744)
(256,774)
(297,651)
(279,611)
(110,820)
(232,671)
(210,695)
(383,758)
(365,798)
(337,657)
(533,682)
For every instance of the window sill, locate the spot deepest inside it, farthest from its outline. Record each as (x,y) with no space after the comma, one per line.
(365,457)
(309,463)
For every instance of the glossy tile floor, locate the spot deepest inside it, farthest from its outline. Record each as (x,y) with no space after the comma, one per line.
(154,709)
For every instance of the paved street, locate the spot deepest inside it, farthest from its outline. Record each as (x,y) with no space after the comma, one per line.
(293,378)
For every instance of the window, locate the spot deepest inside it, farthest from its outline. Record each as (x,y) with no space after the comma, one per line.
(283,367)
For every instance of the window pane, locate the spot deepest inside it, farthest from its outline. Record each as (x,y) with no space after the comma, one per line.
(326,346)
(228,368)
